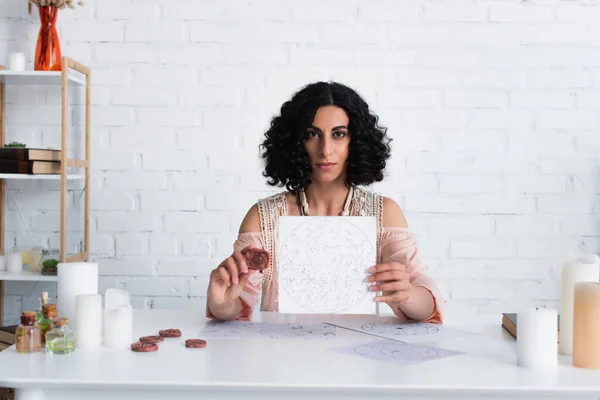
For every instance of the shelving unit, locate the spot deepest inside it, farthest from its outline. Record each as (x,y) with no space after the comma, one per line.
(73,73)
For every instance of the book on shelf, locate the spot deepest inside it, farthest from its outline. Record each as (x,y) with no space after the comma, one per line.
(4,346)
(29,167)
(7,334)
(509,322)
(29,154)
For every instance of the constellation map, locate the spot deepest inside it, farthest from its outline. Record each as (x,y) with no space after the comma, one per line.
(265,330)
(398,352)
(396,329)
(322,264)
(409,332)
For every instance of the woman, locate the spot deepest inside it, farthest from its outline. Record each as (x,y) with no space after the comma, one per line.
(322,146)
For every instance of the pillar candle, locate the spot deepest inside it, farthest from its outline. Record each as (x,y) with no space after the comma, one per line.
(118,319)
(16,61)
(14,262)
(74,279)
(88,321)
(583,269)
(536,338)
(118,327)
(586,325)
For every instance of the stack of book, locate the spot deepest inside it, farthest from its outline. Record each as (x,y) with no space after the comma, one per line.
(21,160)
(7,336)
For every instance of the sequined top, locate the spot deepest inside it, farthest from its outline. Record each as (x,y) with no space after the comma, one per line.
(393,244)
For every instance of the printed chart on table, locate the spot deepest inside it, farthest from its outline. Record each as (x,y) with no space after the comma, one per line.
(397,352)
(409,332)
(264,330)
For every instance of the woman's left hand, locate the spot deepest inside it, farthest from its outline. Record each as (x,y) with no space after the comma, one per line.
(392,280)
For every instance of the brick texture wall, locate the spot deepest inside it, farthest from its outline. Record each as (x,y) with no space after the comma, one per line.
(493,106)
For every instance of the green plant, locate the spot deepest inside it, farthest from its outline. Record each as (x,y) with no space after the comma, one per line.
(50,263)
(15,144)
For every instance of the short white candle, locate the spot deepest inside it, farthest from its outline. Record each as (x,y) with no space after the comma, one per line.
(118,327)
(14,262)
(88,321)
(118,319)
(537,338)
(585,268)
(16,61)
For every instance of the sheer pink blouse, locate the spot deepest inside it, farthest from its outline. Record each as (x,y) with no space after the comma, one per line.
(397,244)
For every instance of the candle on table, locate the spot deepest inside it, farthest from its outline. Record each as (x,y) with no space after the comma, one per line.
(74,279)
(586,325)
(536,338)
(118,327)
(583,269)
(118,319)
(88,321)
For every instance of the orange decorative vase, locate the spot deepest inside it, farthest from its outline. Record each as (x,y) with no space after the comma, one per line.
(47,50)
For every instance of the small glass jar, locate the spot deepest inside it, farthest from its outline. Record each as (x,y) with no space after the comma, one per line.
(43,300)
(28,334)
(61,339)
(48,315)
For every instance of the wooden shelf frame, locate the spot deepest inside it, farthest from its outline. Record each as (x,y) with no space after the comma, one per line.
(68,63)
(67,66)
(66,75)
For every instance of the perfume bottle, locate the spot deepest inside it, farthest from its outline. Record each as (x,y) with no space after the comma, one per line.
(61,339)
(48,315)
(28,335)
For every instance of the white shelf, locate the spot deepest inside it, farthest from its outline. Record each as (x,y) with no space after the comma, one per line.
(50,78)
(41,176)
(25,275)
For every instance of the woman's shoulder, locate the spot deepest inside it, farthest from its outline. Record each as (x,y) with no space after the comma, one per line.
(265,205)
(392,215)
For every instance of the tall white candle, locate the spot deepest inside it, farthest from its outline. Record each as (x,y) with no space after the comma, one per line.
(88,321)
(14,262)
(73,279)
(536,338)
(585,268)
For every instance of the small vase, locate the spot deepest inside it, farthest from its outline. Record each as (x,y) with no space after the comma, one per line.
(47,51)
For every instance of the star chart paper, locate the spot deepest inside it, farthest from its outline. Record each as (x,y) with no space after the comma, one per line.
(265,330)
(409,332)
(396,352)
(322,264)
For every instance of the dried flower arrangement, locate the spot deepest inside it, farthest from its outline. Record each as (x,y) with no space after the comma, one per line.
(60,4)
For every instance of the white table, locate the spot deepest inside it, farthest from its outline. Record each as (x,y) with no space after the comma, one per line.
(280,369)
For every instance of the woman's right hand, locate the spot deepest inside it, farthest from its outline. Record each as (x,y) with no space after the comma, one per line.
(228,280)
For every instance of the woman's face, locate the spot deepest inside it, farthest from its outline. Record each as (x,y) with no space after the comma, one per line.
(328,144)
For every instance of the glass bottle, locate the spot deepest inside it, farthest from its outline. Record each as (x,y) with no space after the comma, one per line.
(49,313)
(43,300)
(28,335)
(61,339)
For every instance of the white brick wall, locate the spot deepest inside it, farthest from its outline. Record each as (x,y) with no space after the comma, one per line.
(492,105)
